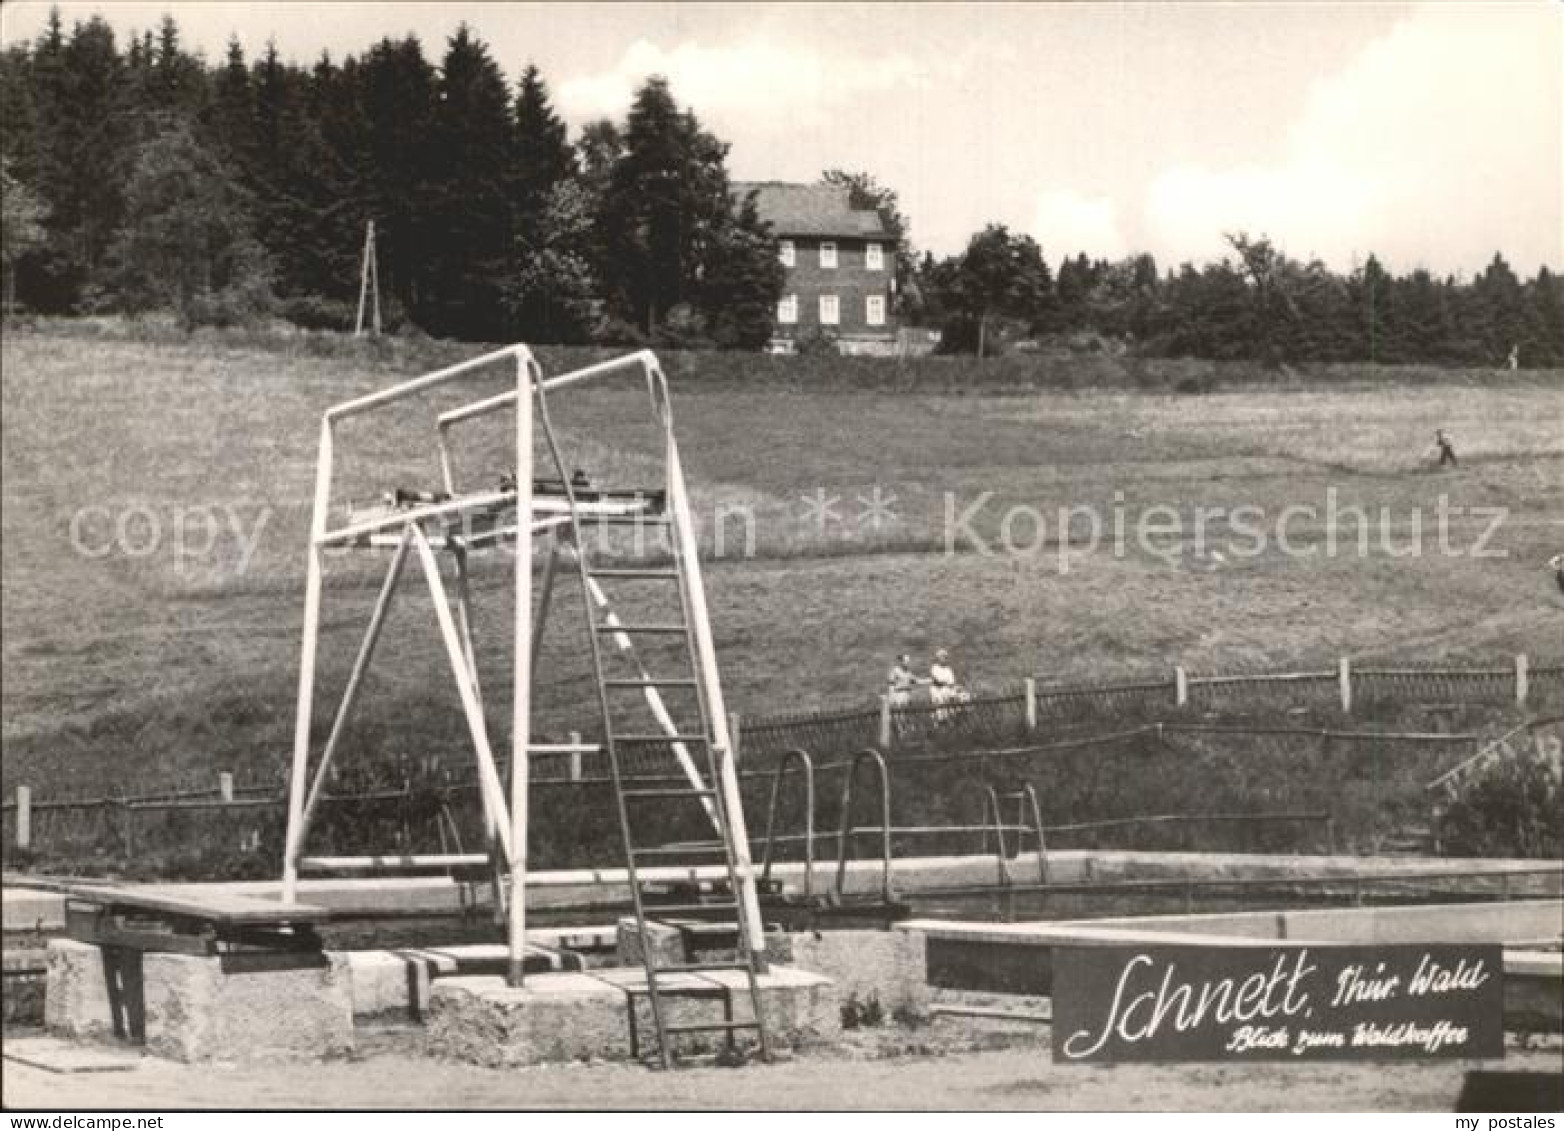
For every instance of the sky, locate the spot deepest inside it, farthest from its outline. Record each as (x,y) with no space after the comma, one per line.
(1429,134)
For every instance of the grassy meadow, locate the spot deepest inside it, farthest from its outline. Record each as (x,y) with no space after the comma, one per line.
(156,509)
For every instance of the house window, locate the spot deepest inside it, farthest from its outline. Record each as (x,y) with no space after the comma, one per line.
(874,312)
(874,258)
(828,254)
(830,313)
(787,310)
(787,253)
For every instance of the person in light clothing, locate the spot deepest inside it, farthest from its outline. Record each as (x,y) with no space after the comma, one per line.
(901,681)
(942,684)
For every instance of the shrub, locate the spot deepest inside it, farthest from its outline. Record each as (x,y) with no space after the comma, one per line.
(1516,808)
(817,343)
(316,312)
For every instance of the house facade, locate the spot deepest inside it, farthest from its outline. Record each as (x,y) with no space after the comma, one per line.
(840,262)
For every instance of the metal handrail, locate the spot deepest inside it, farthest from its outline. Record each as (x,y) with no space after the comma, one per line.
(801,757)
(845,832)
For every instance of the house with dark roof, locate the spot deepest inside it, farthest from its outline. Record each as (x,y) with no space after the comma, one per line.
(841,266)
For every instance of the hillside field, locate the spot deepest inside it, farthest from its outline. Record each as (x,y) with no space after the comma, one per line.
(130,654)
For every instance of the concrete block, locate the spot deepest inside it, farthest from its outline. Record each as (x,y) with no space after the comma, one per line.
(584,1016)
(76,993)
(889,965)
(667,943)
(197,1011)
(382,984)
(553,1018)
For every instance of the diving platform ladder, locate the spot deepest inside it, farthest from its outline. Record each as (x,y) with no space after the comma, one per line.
(686,743)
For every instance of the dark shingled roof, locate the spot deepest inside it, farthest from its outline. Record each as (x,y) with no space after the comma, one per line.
(810,210)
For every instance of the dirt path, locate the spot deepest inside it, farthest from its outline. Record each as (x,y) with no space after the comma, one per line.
(1021,1078)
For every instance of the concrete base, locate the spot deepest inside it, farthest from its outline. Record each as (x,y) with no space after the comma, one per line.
(890,966)
(557,1018)
(192,1009)
(76,992)
(667,943)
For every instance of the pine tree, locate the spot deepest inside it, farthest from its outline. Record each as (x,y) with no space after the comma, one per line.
(231,115)
(382,129)
(543,156)
(666,198)
(89,136)
(742,280)
(468,217)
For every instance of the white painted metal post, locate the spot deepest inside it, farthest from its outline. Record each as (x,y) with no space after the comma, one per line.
(735,733)
(1031,704)
(706,655)
(491,790)
(225,786)
(301,725)
(1180,686)
(464,617)
(1522,679)
(885,722)
(366,652)
(24,817)
(521,696)
(1346,685)
(575,755)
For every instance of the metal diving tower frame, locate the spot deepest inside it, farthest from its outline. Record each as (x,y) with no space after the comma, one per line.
(543,520)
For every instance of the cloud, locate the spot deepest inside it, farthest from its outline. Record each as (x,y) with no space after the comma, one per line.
(1067,222)
(1439,144)
(776,79)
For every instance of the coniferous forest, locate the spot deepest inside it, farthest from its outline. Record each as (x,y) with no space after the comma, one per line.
(140,176)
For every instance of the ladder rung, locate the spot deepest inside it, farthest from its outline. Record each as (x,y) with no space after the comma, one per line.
(687,791)
(659,738)
(617,683)
(696,968)
(675,850)
(627,574)
(565,748)
(711,1026)
(653,910)
(644,629)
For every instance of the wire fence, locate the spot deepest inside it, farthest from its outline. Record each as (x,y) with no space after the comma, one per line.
(1007,713)
(1104,760)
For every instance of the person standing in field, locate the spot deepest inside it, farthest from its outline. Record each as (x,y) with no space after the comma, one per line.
(900,682)
(1556,563)
(942,684)
(1446,449)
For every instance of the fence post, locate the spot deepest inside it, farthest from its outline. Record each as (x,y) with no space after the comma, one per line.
(1522,679)
(575,755)
(1031,704)
(734,721)
(1346,686)
(1180,686)
(24,817)
(225,786)
(885,722)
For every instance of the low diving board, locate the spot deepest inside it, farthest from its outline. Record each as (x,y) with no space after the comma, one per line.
(173,919)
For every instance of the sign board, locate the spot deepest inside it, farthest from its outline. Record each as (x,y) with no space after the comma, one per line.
(1283,1002)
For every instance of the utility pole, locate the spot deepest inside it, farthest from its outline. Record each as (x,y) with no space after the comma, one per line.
(369,282)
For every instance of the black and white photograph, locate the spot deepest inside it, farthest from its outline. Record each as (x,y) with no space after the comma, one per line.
(1043,585)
